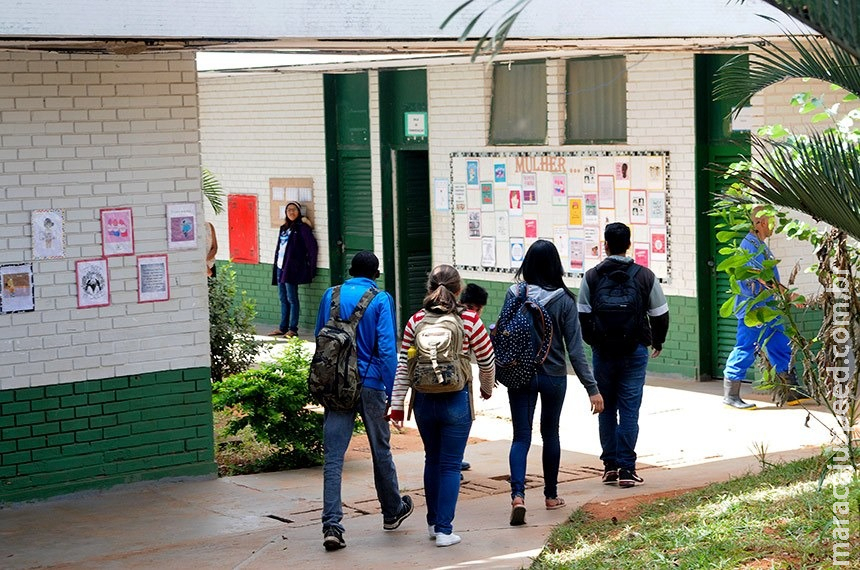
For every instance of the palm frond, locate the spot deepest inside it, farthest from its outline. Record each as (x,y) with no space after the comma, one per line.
(815,58)
(818,175)
(212,190)
(492,40)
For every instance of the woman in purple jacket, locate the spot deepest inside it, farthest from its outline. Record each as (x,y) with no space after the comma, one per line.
(295,263)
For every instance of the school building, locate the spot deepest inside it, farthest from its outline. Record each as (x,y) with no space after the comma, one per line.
(104,125)
(421,161)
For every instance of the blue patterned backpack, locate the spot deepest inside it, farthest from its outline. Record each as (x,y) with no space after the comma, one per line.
(521,339)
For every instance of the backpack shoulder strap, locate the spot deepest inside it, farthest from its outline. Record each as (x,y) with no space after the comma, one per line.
(644,283)
(523,291)
(334,308)
(591,277)
(458,316)
(633,270)
(362,305)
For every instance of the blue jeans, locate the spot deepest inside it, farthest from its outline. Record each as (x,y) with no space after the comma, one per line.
(552,390)
(776,344)
(337,433)
(289,295)
(444,421)
(621,381)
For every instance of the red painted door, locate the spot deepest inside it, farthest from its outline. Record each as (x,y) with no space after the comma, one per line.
(242,222)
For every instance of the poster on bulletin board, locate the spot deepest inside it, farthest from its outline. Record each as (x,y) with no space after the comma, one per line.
(568,198)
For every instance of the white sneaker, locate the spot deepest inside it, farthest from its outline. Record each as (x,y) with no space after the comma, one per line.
(431,531)
(447,539)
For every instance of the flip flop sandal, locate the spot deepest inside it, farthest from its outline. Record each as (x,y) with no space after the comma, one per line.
(553,504)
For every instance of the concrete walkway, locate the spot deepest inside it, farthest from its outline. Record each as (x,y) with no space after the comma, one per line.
(687,439)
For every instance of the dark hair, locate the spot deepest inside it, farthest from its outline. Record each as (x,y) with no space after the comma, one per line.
(474,295)
(287,221)
(542,267)
(365,264)
(617,236)
(443,284)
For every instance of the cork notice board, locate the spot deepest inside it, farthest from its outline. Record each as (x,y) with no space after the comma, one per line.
(285,190)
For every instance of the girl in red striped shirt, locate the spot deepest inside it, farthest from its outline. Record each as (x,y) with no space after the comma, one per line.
(444,419)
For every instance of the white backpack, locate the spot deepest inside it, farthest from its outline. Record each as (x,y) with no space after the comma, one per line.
(438,363)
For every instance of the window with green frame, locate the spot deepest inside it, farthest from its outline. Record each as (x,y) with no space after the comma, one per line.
(596,100)
(519,108)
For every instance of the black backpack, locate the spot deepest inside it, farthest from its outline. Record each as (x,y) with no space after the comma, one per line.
(334,380)
(617,310)
(521,339)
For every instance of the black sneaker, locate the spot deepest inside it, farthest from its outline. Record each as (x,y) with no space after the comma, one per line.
(333,539)
(628,478)
(610,476)
(405,510)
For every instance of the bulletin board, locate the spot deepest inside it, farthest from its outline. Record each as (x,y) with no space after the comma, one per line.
(501,203)
(282,191)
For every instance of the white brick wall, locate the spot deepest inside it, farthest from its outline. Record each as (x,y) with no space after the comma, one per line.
(660,95)
(257,127)
(80,133)
(375,158)
(458,110)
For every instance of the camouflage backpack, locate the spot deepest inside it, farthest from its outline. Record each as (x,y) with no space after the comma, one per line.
(438,363)
(334,380)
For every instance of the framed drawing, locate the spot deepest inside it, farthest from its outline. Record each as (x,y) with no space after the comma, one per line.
(49,236)
(117,231)
(181,226)
(17,293)
(93,284)
(152,278)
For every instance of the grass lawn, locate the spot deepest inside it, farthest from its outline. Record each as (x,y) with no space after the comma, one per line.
(778,518)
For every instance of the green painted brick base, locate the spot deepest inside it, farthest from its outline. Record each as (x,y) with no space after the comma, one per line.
(256,281)
(99,433)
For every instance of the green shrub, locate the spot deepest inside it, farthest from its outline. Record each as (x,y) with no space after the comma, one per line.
(231,325)
(273,402)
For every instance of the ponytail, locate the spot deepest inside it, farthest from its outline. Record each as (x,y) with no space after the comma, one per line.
(443,286)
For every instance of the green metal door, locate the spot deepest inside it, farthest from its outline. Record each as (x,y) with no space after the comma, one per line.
(414,239)
(717,146)
(405,178)
(348,169)
(723,330)
(356,222)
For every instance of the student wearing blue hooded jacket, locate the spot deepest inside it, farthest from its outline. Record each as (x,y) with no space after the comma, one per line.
(376,352)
